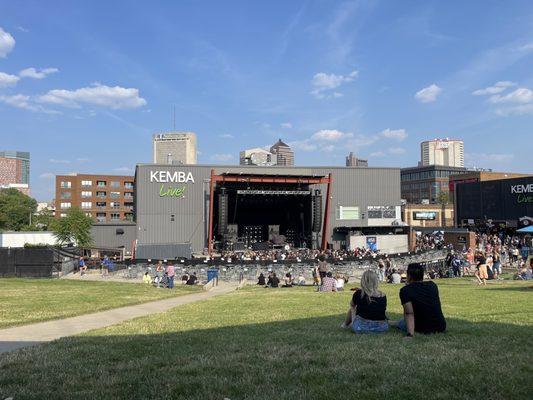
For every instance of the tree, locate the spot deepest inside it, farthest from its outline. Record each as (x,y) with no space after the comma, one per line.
(74,228)
(42,220)
(15,210)
(443,198)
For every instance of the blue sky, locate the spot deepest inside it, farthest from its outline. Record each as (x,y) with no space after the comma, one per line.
(83,85)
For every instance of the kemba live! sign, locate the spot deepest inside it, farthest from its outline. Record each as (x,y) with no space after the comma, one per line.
(171,177)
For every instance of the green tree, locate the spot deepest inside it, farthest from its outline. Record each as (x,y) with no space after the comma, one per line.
(15,210)
(43,220)
(443,198)
(75,228)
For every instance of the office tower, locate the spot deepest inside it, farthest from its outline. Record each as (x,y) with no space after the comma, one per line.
(15,170)
(447,152)
(174,148)
(284,154)
(257,156)
(353,161)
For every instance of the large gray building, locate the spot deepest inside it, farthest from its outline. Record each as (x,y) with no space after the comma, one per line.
(174,148)
(252,206)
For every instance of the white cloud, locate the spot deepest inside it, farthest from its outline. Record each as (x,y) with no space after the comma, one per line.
(522,109)
(24,102)
(323,83)
(47,175)
(484,158)
(498,87)
(519,96)
(222,157)
(100,95)
(330,135)
(8,80)
(377,154)
(123,169)
(83,160)
(396,150)
(227,136)
(56,161)
(286,125)
(37,74)
(303,145)
(396,134)
(7,43)
(428,94)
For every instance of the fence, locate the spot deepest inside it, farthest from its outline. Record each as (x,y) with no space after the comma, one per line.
(45,262)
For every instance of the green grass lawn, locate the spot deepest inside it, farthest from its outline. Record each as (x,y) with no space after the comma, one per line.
(286,344)
(26,301)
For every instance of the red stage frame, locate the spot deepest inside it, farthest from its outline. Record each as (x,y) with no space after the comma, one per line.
(250,178)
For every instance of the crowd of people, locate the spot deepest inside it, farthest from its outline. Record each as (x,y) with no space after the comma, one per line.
(165,275)
(293,254)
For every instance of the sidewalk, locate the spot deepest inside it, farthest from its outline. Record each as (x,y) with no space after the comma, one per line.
(34,334)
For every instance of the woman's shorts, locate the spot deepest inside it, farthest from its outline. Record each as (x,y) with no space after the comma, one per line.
(483,274)
(361,325)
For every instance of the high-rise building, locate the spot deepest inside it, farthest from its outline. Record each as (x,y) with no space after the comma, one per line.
(105,198)
(174,148)
(15,170)
(257,156)
(353,161)
(284,154)
(447,152)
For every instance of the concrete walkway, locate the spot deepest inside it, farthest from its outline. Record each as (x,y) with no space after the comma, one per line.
(34,334)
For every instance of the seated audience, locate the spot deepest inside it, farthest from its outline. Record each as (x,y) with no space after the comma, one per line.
(147,278)
(301,280)
(261,280)
(421,304)
(192,279)
(184,279)
(340,282)
(329,284)
(395,277)
(273,280)
(287,281)
(367,307)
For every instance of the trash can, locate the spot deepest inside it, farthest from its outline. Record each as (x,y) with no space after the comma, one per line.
(212,274)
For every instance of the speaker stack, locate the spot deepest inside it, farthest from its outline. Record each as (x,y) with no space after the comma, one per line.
(222,212)
(317,211)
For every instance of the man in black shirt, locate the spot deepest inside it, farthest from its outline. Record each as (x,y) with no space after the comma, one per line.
(421,304)
(273,281)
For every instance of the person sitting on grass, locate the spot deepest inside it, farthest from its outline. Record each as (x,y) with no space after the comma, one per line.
(301,280)
(395,277)
(184,279)
(367,307)
(273,281)
(261,280)
(147,278)
(329,284)
(192,279)
(339,281)
(421,304)
(287,281)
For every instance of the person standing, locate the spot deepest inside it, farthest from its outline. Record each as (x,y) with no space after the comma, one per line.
(170,275)
(481,269)
(322,268)
(159,271)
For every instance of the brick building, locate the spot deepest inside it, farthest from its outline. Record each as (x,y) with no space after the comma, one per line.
(425,183)
(15,170)
(105,198)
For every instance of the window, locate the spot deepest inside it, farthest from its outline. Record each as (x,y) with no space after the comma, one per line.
(86,204)
(115,216)
(101,204)
(101,194)
(115,184)
(128,217)
(63,215)
(86,194)
(381,212)
(128,185)
(128,195)
(114,195)
(88,214)
(66,205)
(66,184)
(347,212)
(114,204)
(101,183)
(100,217)
(66,195)
(86,183)
(129,205)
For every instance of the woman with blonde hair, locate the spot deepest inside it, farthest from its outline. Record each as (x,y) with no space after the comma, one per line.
(367,307)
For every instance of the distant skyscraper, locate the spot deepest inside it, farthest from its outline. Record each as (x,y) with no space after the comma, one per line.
(257,156)
(285,156)
(447,152)
(174,148)
(15,170)
(353,161)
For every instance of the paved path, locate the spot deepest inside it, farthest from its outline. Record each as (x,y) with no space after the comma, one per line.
(34,334)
